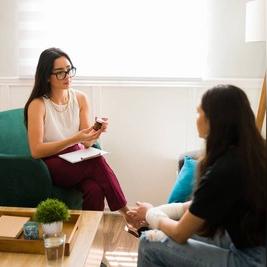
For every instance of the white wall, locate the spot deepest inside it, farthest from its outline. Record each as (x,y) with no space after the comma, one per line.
(228,54)
(8,38)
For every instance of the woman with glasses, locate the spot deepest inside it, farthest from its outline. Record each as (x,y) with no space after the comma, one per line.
(57,120)
(225,223)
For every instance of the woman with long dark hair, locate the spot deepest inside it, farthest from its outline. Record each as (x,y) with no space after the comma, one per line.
(225,223)
(57,120)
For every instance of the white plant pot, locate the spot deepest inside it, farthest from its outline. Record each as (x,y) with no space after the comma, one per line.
(52,228)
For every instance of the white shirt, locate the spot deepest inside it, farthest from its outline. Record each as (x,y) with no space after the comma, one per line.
(61,121)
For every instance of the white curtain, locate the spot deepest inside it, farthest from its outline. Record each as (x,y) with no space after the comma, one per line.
(116,38)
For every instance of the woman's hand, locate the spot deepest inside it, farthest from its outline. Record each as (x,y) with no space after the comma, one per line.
(88,144)
(87,135)
(138,213)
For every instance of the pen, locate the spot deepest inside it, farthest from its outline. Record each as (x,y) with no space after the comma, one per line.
(83,158)
(90,157)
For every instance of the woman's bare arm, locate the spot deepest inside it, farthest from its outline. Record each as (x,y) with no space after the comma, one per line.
(39,149)
(183,229)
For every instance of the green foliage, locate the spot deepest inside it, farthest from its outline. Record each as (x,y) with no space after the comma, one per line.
(51,210)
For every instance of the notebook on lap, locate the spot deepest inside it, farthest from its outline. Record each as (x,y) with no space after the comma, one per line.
(84,154)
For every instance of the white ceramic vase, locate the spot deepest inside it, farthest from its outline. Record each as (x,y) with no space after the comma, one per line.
(52,228)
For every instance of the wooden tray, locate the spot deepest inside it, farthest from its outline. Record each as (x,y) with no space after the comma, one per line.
(21,245)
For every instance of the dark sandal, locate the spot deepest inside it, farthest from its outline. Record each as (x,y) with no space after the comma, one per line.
(131,231)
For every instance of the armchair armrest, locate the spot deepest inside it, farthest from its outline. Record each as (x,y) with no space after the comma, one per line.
(24,181)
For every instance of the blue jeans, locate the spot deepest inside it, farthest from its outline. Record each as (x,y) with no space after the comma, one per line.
(198,252)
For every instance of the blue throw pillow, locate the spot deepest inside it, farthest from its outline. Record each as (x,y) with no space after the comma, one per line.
(185,181)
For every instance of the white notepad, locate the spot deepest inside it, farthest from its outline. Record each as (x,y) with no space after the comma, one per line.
(83,154)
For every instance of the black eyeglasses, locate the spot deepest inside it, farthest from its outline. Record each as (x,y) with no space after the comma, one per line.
(61,75)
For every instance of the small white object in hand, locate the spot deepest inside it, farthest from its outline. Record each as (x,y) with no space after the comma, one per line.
(155,235)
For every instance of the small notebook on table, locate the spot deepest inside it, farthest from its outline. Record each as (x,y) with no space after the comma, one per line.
(83,154)
(12,226)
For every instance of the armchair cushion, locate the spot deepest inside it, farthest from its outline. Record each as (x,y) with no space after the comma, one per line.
(185,181)
(25,181)
(13,135)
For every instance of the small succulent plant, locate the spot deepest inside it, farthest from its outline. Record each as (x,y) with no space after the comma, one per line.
(51,210)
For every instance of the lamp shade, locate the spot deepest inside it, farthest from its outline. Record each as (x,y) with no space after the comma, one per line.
(255,21)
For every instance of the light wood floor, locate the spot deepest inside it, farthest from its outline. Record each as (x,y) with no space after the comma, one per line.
(120,247)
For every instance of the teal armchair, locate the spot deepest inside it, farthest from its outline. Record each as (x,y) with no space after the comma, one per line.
(25,181)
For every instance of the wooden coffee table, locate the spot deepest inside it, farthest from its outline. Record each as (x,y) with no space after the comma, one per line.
(87,251)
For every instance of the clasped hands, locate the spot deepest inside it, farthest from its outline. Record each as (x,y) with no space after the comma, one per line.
(138,214)
(146,214)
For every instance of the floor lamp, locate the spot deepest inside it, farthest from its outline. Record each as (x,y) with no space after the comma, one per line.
(256,31)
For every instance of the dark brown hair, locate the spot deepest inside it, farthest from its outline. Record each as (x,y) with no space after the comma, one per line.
(232,124)
(43,71)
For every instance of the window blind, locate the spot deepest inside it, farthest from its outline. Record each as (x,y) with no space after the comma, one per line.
(116,38)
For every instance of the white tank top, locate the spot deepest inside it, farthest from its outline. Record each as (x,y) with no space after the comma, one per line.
(61,121)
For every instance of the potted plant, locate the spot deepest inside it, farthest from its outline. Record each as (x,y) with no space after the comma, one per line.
(51,213)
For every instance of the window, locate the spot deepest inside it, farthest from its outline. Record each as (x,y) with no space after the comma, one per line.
(116,38)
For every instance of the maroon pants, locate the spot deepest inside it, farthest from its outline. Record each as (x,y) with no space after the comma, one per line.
(93,177)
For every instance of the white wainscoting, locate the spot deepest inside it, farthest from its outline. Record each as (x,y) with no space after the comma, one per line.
(151,123)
